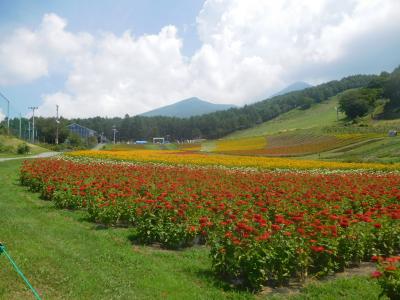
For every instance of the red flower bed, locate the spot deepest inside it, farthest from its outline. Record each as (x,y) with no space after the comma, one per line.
(388,275)
(259,226)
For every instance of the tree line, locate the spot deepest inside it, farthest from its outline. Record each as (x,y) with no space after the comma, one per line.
(383,90)
(210,126)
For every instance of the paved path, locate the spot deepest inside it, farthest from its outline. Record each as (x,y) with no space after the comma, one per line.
(41,155)
(98,146)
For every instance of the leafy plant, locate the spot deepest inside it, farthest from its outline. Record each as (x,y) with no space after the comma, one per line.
(388,276)
(23,148)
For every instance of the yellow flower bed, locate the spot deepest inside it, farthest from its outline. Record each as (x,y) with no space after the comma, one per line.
(184,157)
(357,136)
(252,143)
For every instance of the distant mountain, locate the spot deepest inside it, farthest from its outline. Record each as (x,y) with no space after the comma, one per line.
(297,86)
(187,108)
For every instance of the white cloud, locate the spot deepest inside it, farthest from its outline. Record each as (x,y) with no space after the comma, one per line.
(249,49)
(124,75)
(27,55)
(298,39)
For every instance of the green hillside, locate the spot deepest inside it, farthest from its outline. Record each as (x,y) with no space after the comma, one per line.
(316,133)
(8,146)
(319,115)
(384,150)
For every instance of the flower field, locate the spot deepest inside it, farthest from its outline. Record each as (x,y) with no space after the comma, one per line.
(244,144)
(259,226)
(289,144)
(180,157)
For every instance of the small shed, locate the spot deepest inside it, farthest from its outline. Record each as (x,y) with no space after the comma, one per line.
(392,133)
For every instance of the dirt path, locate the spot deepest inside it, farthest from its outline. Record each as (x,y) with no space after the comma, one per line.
(98,146)
(41,155)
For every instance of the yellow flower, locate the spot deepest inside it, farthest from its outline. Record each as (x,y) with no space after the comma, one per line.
(190,158)
(252,143)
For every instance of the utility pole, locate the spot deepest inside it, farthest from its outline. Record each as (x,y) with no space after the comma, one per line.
(115,131)
(33,122)
(8,112)
(29,130)
(57,121)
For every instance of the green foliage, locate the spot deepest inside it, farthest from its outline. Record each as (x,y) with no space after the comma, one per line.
(46,129)
(306,102)
(75,140)
(376,149)
(54,249)
(319,115)
(3,128)
(392,88)
(210,126)
(5,148)
(388,275)
(354,104)
(91,141)
(23,148)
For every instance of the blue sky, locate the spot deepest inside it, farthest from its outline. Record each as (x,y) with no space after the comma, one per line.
(109,58)
(104,15)
(141,17)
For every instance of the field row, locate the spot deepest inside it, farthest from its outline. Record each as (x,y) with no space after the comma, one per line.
(180,157)
(259,226)
(289,144)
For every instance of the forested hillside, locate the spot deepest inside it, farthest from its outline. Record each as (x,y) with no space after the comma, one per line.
(221,123)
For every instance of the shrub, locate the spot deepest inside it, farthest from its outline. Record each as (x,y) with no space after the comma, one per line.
(23,148)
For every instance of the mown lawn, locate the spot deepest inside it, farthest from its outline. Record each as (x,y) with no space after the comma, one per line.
(319,115)
(67,257)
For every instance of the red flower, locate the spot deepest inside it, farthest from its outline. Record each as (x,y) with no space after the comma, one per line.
(391,268)
(228,234)
(276,227)
(317,248)
(376,274)
(264,236)
(376,258)
(392,259)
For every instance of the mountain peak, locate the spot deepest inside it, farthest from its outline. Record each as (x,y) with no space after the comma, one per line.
(192,100)
(187,108)
(295,86)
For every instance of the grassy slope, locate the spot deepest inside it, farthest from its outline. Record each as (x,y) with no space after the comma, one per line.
(319,115)
(66,257)
(14,142)
(323,115)
(385,150)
